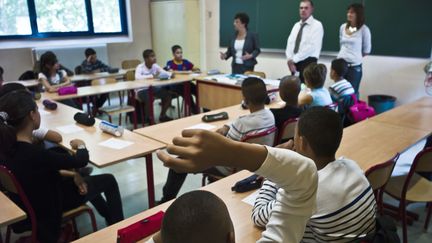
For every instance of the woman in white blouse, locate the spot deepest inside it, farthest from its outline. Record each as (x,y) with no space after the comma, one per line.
(243,47)
(355,43)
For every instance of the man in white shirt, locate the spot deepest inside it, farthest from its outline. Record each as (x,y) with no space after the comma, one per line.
(305,40)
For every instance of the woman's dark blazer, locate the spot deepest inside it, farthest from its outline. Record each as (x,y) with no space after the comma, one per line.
(251,46)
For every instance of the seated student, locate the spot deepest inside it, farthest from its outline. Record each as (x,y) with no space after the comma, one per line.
(183,220)
(51,77)
(150,69)
(314,76)
(178,63)
(346,205)
(341,88)
(289,89)
(40,171)
(296,174)
(93,65)
(260,119)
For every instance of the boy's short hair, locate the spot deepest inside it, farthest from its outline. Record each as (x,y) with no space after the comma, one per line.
(339,66)
(174,48)
(254,91)
(315,74)
(89,51)
(289,88)
(9,87)
(147,53)
(322,128)
(196,217)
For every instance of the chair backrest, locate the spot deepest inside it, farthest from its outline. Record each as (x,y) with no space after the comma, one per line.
(333,106)
(256,73)
(379,174)
(130,75)
(11,185)
(422,163)
(127,64)
(266,137)
(78,70)
(103,81)
(287,130)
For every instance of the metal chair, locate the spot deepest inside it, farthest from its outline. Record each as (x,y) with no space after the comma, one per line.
(287,130)
(413,188)
(378,176)
(12,186)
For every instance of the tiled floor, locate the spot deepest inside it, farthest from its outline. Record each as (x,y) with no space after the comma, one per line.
(131,176)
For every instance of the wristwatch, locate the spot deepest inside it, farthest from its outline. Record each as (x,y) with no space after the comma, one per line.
(81,146)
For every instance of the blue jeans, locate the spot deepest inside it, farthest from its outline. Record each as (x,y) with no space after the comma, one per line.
(354,76)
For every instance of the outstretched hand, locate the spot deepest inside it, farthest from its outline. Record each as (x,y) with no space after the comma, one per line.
(197,150)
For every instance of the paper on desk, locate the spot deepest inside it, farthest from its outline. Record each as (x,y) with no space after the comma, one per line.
(68,129)
(115,143)
(272,82)
(251,198)
(201,126)
(44,112)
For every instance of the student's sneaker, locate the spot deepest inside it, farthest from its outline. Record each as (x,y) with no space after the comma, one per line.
(165,118)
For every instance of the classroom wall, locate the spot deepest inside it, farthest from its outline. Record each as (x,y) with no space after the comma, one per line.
(16,61)
(397,76)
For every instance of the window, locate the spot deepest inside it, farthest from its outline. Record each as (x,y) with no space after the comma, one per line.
(61,18)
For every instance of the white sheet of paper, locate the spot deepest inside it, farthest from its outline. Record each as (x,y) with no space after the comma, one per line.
(204,126)
(115,143)
(68,129)
(251,198)
(43,112)
(272,82)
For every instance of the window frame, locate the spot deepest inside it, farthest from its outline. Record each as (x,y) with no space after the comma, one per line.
(36,35)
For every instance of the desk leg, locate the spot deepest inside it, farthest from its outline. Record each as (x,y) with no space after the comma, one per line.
(150,181)
(151,100)
(187,98)
(133,102)
(197,95)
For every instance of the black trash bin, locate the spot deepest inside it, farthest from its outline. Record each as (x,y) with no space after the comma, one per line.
(381,103)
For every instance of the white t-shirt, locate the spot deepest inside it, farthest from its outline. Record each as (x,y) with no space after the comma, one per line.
(39,134)
(238,46)
(143,72)
(54,80)
(353,46)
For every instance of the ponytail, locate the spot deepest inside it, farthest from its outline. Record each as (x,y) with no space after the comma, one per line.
(14,109)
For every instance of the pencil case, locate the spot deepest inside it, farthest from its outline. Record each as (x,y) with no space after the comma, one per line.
(67,90)
(140,229)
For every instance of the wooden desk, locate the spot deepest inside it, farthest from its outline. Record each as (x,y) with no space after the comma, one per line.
(370,142)
(99,155)
(416,115)
(89,77)
(215,95)
(10,212)
(240,212)
(165,132)
(26,83)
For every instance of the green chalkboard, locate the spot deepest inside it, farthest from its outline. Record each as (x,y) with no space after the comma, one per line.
(398,27)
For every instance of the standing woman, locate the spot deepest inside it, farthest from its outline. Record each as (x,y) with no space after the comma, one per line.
(355,43)
(243,47)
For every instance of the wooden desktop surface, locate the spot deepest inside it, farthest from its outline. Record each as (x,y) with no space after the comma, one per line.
(165,132)
(215,95)
(115,87)
(240,212)
(416,115)
(10,212)
(99,155)
(370,142)
(26,83)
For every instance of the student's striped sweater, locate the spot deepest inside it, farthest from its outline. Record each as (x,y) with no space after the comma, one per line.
(346,205)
